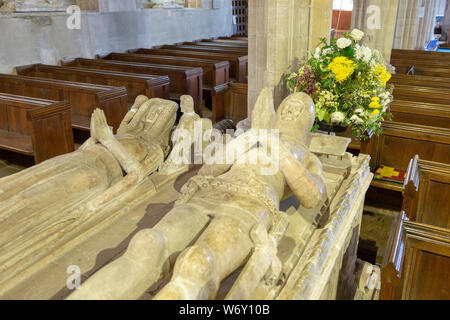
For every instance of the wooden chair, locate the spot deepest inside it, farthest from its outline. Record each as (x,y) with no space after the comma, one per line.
(35,127)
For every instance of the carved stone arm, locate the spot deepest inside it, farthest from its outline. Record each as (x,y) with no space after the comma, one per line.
(305,181)
(101,132)
(238,144)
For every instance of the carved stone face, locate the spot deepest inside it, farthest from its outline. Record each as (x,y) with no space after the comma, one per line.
(187,104)
(295,116)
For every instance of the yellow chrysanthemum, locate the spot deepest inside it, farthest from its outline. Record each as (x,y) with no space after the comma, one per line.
(381,72)
(376,112)
(375,104)
(342,68)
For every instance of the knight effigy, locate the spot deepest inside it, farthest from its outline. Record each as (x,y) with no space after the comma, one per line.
(278,222)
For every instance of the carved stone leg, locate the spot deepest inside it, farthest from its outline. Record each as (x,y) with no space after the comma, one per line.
(148,258)
(221,249)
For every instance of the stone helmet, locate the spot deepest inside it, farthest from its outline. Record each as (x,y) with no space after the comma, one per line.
(295,116)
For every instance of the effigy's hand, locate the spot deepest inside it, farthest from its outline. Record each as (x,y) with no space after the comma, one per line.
(135,118)
(100,130)
(140,100)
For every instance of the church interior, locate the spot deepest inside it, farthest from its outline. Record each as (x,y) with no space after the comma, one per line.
(224,150)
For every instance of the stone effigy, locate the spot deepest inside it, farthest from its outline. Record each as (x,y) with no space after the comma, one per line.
(232,211)
(44,207)
(258,240)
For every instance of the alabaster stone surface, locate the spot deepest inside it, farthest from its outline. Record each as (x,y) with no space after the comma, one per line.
(45,207)
(229,232)
(228,212)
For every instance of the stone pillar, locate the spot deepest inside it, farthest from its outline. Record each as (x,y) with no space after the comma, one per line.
(377,18)
(407,24)
(446,22)
(281,35)
(415,23)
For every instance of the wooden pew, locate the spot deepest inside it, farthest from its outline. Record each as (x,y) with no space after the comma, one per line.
(228,41)
(426,266)
(423,70)
(414,54)
(417,264)
(401,141)
(136,84)
(214,73)
(206,49)
(422,94)
(418,267)
(238,62)
(83,98)
(234,104)
(35,127)
(183,80)
(424,62)
(242,38)
(420,81)
(427,192)
(218,45)
(427,114)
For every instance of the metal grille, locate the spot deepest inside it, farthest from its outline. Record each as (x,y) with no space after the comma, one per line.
(240,10)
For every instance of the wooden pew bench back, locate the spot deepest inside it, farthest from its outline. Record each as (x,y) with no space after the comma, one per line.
(183,80)
(238,62)
(35,127)
(400,142)
(422,94)
(83,98)
(426,194)
(214,73)
(426,114)
(136,84)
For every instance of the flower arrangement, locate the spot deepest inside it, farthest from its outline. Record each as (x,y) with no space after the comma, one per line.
(348,83)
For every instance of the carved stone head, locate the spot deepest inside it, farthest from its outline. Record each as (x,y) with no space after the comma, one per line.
(295,116)
(187,104)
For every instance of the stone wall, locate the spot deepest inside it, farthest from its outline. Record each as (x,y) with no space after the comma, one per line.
(44,37)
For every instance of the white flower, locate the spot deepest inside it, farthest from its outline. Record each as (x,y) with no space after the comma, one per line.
(359,111)
(337,117)
(327,51)
(357,34)
(344,43)
(363,53)
(356,120)
(317,53)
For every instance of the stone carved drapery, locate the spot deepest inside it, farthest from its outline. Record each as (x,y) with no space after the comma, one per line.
(377,18)
(415,26)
